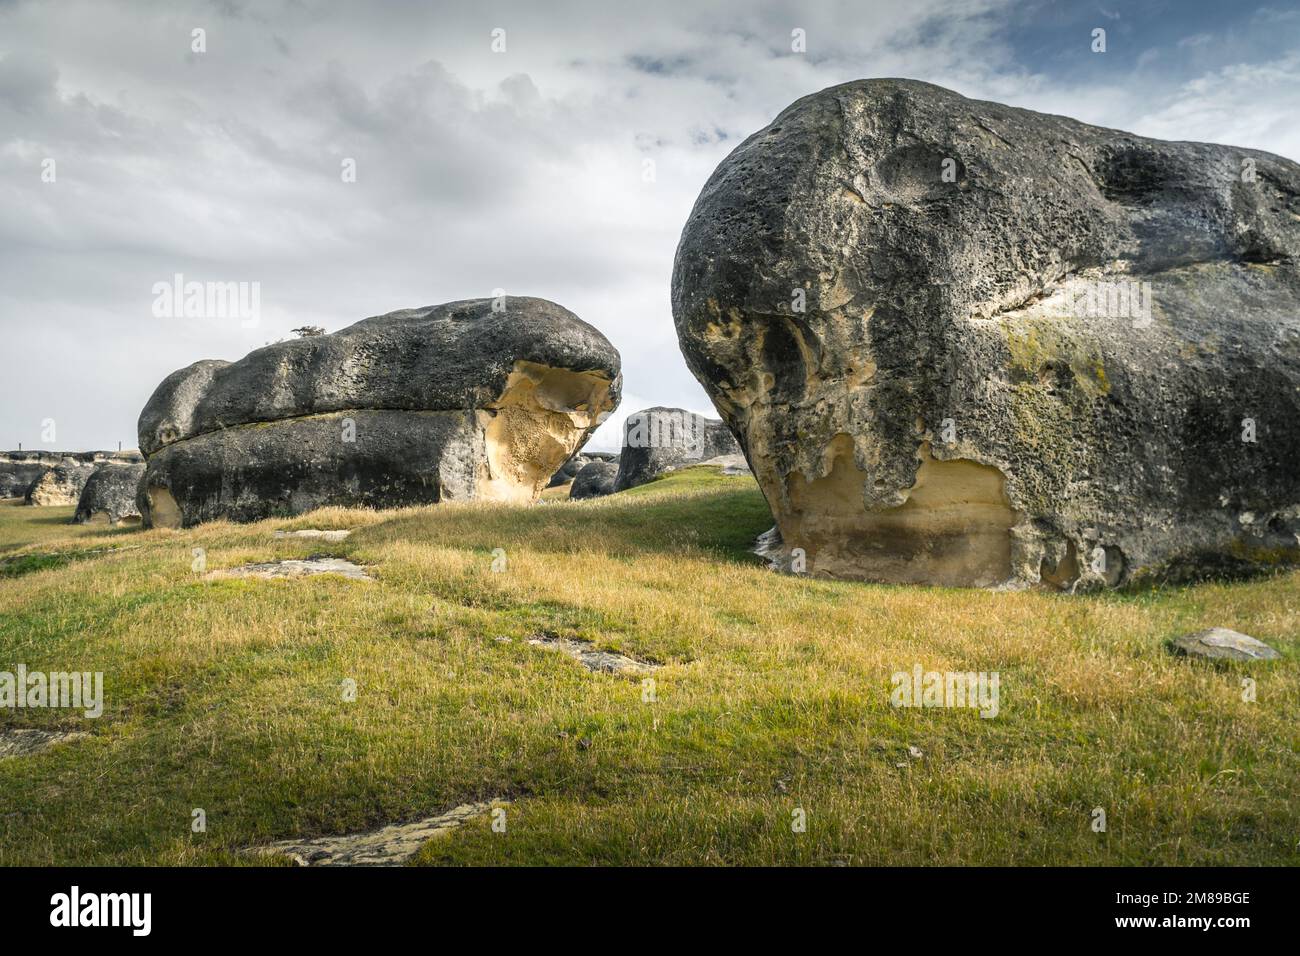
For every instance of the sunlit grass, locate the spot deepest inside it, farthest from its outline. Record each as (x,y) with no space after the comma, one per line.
(773,696)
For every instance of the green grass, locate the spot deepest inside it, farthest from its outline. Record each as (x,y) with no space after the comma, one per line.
(21,526)
(773,695)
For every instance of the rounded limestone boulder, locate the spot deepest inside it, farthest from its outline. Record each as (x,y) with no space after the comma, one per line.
(59,485)
(596,480)
(658,440)
(109,495)
(475,400)
(968,344)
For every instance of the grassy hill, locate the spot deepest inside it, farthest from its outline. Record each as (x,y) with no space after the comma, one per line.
(773,695)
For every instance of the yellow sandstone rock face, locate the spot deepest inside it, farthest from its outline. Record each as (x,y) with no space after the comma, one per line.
(542,418)
(954,528)
(60,485)
(161,508)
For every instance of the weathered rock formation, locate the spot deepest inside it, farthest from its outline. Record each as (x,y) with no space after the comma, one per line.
(17,475)
(109,495)
(657,440)
(59,485)
(596,479)
(569,470)
(968,344)
(19,469)
(457,401)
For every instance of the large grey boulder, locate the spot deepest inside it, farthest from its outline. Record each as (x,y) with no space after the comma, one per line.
(109,495)
(475,400)
(59,485)
(596,480)
(657,440)
(969,344)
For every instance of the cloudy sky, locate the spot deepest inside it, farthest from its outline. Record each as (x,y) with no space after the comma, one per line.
(523,169)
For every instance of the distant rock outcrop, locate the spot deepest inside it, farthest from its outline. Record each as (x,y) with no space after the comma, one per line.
(481,399)
(569,470)
(596,479)
(19,469)
(59,485)
(967,344)
(657,440)
(110,495)
(17,475)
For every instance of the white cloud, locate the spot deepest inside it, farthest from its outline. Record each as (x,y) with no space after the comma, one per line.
(475,170)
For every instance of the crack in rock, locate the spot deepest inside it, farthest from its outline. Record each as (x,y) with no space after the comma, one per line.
(294,569)
(594,660)
(336,535)
(392,845)
(23,743)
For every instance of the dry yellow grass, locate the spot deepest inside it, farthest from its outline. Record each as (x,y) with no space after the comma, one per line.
(772,697)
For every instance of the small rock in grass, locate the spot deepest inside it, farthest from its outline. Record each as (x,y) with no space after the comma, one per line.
(1220,643)
(731,465)
(594,481)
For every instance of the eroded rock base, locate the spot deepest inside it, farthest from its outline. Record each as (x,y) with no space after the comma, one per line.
(953,528)
(544,415)
(379,458)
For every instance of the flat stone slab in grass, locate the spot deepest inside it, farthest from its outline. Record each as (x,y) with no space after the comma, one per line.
(294,569)
(388,846)
(1219,643)
(730,464)
(591,658)
(337,535)
(22,743)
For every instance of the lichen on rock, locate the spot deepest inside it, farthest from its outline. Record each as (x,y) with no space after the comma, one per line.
(962,343)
